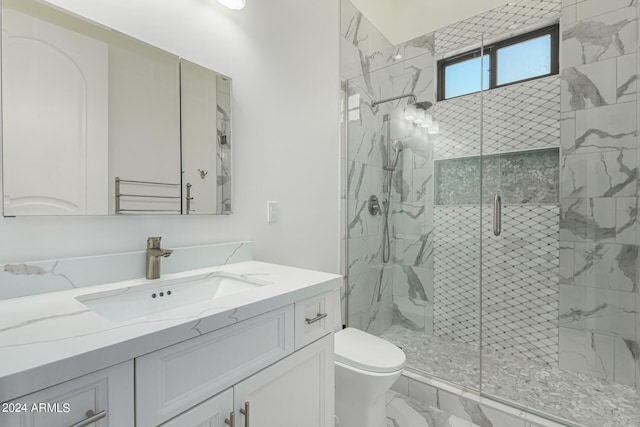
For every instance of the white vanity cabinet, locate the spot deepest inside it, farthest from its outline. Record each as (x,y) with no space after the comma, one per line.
(296,391)
(105,396)
(189,383)
(262,359)
(210,413)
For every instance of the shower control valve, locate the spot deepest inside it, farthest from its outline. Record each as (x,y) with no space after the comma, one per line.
(374,205)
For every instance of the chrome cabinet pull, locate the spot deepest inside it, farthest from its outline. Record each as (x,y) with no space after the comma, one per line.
(319,317)
(245,412)
(497,215)
(188,198)
(92,417)
(231,421)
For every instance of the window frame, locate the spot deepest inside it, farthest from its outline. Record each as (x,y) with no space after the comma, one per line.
(492,51)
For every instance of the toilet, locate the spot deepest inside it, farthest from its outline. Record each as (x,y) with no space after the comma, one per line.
(365,369)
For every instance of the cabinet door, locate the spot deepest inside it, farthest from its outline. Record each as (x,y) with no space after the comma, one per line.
(314,318)
(172,380)
(107,394)
(297,391)
(210,413)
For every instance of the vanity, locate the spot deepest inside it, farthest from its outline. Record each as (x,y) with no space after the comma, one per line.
(219,339)
(238,343)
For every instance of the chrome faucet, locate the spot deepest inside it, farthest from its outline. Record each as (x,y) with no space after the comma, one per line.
(154,254)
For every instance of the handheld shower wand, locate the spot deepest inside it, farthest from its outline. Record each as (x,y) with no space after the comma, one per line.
(397,147)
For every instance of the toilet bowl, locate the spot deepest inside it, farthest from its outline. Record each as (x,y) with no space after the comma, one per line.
(365,368)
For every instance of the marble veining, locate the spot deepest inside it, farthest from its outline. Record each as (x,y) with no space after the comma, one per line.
(582,88)
(601,135)
(604,265)
(416,288)
(30,322)
(581,220)
(403,411)
(24,269)
(597,37)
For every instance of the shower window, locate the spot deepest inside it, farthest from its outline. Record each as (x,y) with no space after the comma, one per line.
(525,57)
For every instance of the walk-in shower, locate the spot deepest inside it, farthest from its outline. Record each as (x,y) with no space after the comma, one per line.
(541,311)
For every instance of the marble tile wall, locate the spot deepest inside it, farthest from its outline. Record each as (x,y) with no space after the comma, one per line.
(365,60)
(363,48)
(412,210)
(599,241)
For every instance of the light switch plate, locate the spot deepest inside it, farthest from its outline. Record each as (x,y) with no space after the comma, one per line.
(272,211)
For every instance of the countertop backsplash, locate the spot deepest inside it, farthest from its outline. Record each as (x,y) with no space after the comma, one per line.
(38,277)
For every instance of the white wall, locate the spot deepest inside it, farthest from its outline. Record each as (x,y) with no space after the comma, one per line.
(283,57)
(402,20)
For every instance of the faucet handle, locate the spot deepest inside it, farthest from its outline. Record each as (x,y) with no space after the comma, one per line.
(153,242)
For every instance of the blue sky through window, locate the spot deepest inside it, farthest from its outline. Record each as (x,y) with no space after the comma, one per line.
(524,60)
(464,77)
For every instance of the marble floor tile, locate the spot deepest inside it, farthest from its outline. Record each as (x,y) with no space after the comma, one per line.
(405,412)
(589,401)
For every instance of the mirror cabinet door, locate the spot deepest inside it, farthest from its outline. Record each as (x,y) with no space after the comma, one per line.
(92,121)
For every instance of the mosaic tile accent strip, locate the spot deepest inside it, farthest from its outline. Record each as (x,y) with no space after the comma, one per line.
(528,177)
(520,283)
(496,22)
(516,117)
(589,401)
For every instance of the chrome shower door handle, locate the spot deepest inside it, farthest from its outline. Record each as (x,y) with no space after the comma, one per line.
(497,215)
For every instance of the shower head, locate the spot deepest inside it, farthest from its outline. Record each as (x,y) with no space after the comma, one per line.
(425,105)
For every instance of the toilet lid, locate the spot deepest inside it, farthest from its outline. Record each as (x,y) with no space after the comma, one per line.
(364,351)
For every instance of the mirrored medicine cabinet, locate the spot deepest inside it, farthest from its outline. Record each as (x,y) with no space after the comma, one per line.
(96,122)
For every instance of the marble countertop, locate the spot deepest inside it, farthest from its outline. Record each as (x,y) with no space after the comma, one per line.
(50,338)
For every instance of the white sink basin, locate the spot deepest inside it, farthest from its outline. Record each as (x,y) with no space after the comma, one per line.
(166,294)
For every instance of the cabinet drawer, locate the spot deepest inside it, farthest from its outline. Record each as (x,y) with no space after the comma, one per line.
(314,318)
(171,380)
(210,413)
(108,391)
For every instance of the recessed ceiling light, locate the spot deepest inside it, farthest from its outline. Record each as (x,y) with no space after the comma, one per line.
(233,4)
